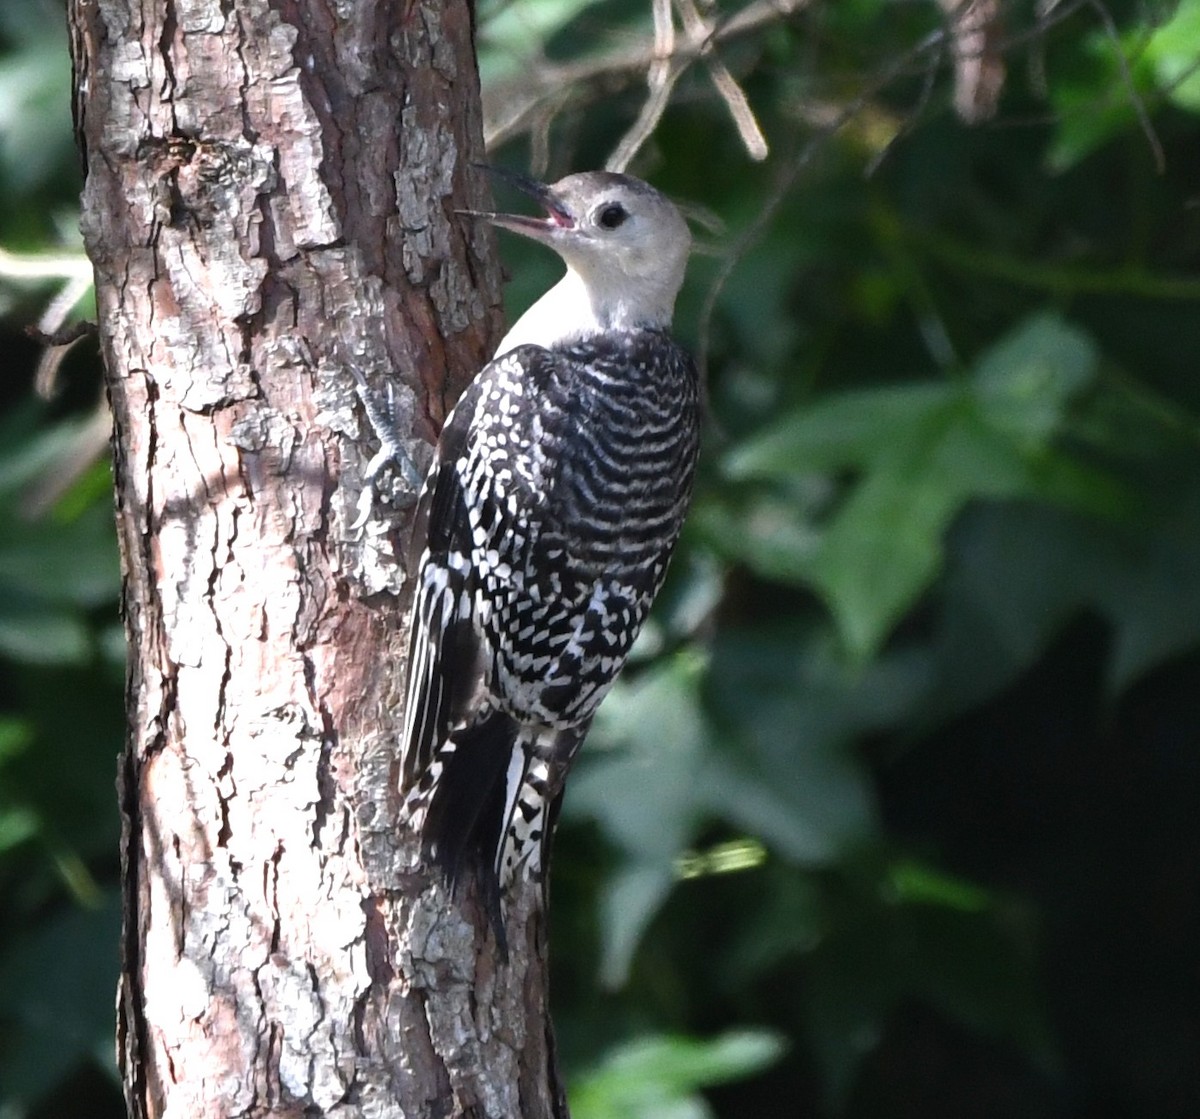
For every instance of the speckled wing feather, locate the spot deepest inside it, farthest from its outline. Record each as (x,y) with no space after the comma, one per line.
(444,667)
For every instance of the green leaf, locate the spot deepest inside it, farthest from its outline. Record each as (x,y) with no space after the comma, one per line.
(1173,51)
(845,430)
(511,33)
(883,547)
(54,565)
(35,113)
(781,766)
(56,985)
(29,452)
(813,823)
(15,737)
(628,903)
(657,1077)
(1019,572)
(790,710)
(922,453)
(16,826)
(41,634)
(916,882)
(17,822)
(774,534)
(1025,382)
(1150,592)
(643,795)
(73,562)
(1097,101)
(1093,101)
(884,947)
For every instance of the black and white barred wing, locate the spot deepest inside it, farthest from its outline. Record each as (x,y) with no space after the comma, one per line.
(473,508)
(445,664)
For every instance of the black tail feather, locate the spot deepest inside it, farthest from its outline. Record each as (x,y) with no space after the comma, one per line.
(464,824)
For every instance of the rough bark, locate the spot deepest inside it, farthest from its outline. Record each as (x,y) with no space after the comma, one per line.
(270,198)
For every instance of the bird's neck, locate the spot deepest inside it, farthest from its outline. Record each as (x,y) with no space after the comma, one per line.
(575,309)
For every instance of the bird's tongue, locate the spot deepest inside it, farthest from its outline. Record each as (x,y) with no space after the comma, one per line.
(558,216)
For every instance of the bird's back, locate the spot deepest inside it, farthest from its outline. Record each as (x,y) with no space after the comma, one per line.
(589,465)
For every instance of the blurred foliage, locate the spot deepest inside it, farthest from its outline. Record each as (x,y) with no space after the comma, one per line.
(656,1077)
(894,813)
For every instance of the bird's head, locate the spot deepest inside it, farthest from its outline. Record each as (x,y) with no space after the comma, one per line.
(626,241)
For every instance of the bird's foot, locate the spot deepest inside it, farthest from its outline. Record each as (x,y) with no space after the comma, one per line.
(382,416)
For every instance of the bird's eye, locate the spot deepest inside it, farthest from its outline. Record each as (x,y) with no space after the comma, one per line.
(611,216)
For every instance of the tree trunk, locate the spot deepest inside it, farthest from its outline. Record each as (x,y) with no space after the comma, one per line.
(270,198)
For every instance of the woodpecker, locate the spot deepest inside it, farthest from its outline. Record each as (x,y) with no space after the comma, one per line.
(544,529)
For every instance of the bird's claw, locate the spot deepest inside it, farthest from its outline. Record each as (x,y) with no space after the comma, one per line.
(382,418)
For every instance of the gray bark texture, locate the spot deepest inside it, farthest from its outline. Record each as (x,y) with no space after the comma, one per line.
(269,206)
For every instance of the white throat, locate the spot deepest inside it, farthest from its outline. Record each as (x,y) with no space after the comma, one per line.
(573,309)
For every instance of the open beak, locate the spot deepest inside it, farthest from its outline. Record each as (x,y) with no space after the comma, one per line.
(557,216)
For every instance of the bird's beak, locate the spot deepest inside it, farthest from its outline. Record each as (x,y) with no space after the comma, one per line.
(557,217)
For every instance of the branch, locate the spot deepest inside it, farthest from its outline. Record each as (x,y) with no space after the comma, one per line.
(731,93)
(515,106)
(661,75)
(979,69)
(73,272)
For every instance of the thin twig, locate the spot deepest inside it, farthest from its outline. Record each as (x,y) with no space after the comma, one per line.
(73,272)
(786,179)
(1135,98)
(510,105)
(34,267)
(661,76)
(933,44)
(928,83)
(697,27)
(52,323)
(977,50)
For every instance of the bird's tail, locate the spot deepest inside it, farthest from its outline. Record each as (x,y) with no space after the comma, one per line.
(484,808)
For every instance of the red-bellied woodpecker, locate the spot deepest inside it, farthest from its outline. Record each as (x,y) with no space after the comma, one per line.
(544,529)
